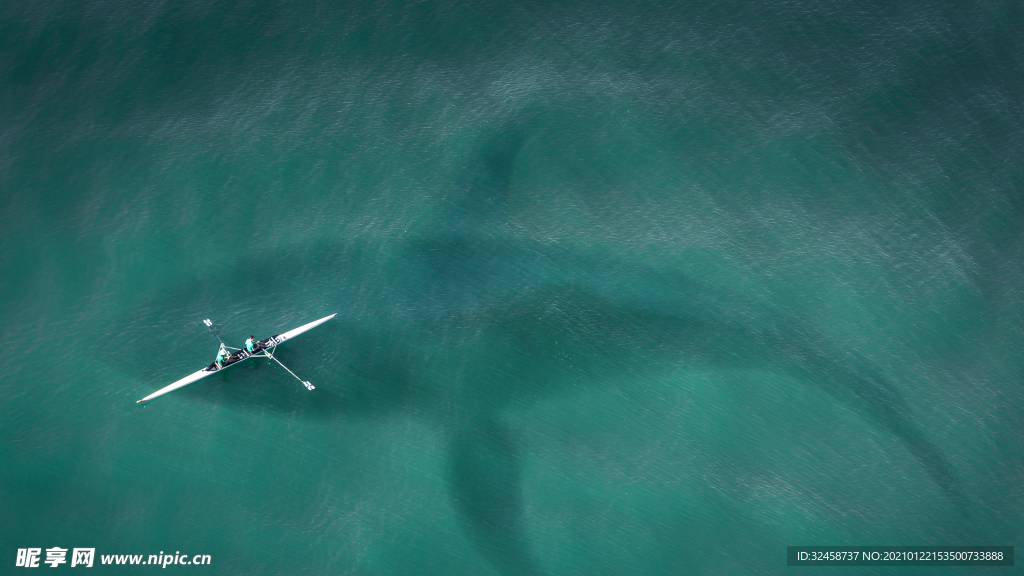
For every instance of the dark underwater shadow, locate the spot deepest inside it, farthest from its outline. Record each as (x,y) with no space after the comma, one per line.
(424,323)
(484,475)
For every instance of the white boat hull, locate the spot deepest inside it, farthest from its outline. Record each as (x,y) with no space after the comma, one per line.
(210,370)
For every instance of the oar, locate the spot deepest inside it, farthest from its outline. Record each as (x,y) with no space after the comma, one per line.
(212,331)
(304,383)
(215,335)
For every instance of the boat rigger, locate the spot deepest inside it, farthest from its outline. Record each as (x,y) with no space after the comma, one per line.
(262,348)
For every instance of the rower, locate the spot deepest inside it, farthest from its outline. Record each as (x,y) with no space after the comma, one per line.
(222,356)
(250,344)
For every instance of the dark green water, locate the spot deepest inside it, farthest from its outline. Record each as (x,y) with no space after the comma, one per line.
(621,289)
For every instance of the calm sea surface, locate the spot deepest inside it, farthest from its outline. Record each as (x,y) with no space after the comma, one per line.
(622,288)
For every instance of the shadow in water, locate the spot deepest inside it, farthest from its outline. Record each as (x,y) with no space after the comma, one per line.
(484,471)
(424,324)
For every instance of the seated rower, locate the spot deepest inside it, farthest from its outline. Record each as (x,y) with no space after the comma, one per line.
(222,356)
(250,344)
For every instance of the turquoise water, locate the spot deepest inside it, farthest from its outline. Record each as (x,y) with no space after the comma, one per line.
(621,289)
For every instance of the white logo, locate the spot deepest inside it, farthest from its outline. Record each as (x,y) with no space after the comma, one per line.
(28,557)
(82,556)
(55,556)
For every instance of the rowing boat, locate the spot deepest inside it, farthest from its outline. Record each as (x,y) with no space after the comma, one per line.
(264,348)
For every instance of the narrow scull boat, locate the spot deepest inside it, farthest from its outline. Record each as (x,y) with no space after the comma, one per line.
(264,348)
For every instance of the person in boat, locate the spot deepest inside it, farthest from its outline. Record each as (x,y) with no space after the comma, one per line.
(250,344)
(222,356)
